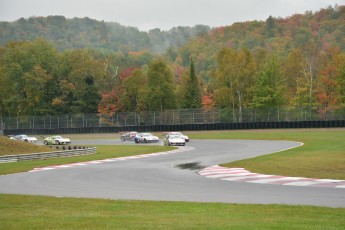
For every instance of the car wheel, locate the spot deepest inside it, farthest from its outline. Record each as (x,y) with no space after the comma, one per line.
(45,142)
(122,139)
(145,140)
(26,140)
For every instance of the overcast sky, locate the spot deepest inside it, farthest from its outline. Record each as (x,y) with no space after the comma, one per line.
(163,14)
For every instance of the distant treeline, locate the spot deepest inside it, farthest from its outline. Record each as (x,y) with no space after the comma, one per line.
(293,62)
(85,32)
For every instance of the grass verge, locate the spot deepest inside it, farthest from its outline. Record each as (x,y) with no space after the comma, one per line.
(39,212)
(13,147)
(321,156)
(323,149)
(103,152)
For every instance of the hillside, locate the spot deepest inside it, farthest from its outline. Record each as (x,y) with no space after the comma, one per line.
(324,28)
(85,32)
(11,147)
(292,62)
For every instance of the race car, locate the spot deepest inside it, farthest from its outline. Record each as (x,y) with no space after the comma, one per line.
(174,139)
(145,138)
(23,137)
(128,136)
(186,138)
(56,140)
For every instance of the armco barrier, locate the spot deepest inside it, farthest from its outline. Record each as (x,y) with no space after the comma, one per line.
(181,127)
(46,155)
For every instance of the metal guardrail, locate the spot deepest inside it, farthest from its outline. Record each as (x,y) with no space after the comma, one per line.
(47,155)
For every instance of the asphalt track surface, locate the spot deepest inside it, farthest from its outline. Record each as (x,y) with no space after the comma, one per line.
(171,177)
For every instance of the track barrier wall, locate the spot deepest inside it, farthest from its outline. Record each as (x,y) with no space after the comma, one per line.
(181,127)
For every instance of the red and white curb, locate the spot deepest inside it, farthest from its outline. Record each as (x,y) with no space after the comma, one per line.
(242,175)
(179,150)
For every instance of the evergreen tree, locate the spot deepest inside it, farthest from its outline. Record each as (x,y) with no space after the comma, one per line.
(270,25)
(191,96)
(90,98)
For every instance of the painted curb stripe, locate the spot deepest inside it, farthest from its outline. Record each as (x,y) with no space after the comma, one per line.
(242,175)
(179,150)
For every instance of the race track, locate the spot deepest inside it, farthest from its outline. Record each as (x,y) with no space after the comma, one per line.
(171,177)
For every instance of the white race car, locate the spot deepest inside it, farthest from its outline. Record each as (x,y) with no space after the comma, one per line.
(145,138)
(186,138)
(174,139)
(23,137)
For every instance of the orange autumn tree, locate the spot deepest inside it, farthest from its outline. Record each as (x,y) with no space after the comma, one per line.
(328,95)
(207,102)
(110,102)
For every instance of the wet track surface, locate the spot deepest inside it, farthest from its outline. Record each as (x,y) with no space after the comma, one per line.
(170,177)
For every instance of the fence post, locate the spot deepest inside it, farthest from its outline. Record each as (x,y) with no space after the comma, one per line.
(278,115)
(154,118)
(193,117)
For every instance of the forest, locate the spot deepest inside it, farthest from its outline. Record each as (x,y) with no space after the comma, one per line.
(54,66)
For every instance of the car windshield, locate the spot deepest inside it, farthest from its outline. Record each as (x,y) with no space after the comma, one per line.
(176,133)
(174,136)
(146,134)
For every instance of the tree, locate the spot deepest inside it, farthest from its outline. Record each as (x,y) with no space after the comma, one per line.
(81,72)
(234,77)
(207,102)
(330,85)
(34,90)
(5,89)
(190,90)
(309,69)
(29,69)
(90,97)
(161,88)
(110,102)
(134,91)
(270,25)
(269,85)
(341,84)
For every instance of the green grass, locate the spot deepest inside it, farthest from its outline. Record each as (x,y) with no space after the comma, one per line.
(13,147)
(39,212)
(103,152)
(321,156)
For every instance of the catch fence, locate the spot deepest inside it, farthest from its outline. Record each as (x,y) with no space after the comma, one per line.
(170,117)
